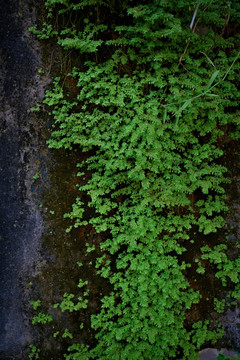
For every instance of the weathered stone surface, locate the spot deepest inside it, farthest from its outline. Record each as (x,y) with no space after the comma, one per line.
(212,354)
(21,225)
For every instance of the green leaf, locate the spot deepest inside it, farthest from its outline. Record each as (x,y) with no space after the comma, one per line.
(213,77)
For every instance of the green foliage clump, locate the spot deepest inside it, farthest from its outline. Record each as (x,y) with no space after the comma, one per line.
(153,105)
(34,353)
(67,334)
(45,33)
(41,318)
(69,305)
(35,304)
(228,269)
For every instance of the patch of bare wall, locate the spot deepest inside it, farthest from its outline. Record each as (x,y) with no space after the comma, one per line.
(21,225)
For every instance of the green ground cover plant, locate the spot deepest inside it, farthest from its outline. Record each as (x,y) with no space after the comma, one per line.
(153,105)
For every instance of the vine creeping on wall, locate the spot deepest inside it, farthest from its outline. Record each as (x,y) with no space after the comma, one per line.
(154,102)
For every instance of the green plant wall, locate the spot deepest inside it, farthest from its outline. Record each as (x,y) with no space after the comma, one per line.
(153,103)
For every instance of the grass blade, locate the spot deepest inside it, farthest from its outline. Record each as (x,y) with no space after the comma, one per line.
(213,77)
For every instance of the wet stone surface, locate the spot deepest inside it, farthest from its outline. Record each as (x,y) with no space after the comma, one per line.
(21,225)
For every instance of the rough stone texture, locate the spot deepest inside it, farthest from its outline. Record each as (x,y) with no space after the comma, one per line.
(21,225)
(212,354)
